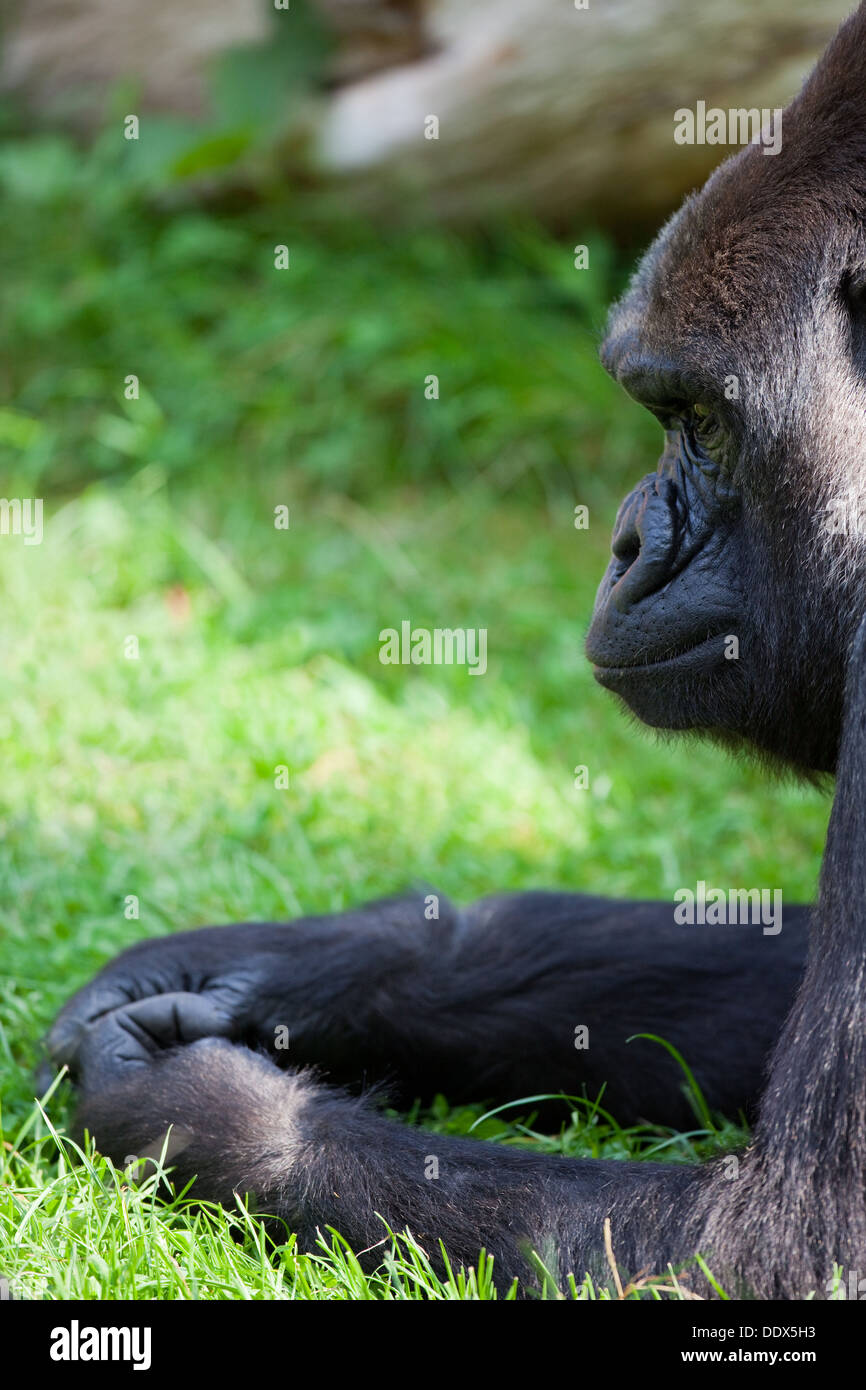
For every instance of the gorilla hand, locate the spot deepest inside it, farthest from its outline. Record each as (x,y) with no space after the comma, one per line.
(185,987)
(130,1038)
(301,989)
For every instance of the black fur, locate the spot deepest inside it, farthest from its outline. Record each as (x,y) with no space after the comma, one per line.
(479,1004)
(756,278)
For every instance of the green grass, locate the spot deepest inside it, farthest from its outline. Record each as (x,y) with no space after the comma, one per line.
(257,647)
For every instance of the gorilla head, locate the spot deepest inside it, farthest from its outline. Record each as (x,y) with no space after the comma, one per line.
(744,332)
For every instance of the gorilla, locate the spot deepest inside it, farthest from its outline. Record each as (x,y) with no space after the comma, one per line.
(744,333)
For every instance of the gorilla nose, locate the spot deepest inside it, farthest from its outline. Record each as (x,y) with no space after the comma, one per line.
(644,542)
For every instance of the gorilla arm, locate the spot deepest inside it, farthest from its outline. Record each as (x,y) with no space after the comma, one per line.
(311,1158)
(477,1004)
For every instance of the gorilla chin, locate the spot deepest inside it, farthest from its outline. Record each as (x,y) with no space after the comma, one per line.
(665,692)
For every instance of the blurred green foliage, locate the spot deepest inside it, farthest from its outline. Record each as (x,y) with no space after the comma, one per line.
(320,366)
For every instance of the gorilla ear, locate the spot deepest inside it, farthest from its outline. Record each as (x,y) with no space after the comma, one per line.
(855,290)
(854,295)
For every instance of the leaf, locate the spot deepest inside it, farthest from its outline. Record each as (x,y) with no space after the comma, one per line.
(219,151)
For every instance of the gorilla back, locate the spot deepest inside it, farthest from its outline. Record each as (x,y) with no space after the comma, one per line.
(733,605)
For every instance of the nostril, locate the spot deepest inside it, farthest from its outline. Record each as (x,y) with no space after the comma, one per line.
(626,541)
(626,549)
(644,542)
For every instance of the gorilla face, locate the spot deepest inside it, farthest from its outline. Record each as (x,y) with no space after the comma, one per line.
(674,591)
(737,573)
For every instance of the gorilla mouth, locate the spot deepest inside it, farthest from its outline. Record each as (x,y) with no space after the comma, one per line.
(672,589)
(664,692)
(689,654)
